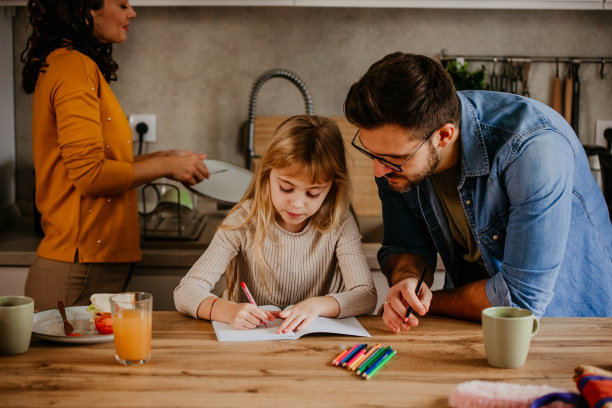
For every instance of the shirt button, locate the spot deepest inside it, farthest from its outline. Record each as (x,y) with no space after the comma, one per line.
(99,241)
(128,141)
(108,199)
(108,118)
(468,202)
(495,237)
(89,210)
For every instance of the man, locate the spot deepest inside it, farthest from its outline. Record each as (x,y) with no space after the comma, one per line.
(496,183)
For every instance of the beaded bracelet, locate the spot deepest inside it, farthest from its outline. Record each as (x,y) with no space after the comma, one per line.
(211,307)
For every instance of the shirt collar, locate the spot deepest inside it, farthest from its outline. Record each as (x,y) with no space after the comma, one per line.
(474,157)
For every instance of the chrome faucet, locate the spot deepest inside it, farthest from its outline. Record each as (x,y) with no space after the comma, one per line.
(250,148)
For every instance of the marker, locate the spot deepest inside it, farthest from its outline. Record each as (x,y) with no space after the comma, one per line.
(248,295)
(353,366)
(356,356)
(352,354)
(418,289)
(364,366)
(345,353)
(377,362)
(336,360)
(382,363)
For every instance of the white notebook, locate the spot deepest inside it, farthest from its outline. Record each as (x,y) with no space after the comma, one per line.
(348,326)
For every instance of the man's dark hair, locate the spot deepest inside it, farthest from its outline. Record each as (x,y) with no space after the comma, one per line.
(409,90)
(63,23)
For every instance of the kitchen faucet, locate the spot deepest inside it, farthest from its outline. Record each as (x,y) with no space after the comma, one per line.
(282,73)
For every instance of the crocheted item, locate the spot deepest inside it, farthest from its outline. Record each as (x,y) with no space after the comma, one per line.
(595,385)
(488,394)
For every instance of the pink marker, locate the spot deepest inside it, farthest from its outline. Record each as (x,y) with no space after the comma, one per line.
(250,297)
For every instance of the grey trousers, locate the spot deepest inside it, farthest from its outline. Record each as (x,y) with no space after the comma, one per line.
(73,283)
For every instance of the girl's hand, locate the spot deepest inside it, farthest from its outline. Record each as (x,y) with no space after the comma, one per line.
(301,315)
(400,297)
(244,316)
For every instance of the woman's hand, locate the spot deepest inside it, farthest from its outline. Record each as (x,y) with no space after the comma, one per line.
(301,315)
(180,165)
(186,167)
(400,297)
(244,316)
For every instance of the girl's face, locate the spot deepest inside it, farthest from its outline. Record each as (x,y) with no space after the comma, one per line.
(295,198)
(112,21)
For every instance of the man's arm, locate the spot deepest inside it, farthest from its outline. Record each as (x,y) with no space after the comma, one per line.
(464,302)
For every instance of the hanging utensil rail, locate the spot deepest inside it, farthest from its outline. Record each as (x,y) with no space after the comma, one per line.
(518,58)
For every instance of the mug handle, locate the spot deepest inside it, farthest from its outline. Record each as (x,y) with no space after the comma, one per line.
(536,326)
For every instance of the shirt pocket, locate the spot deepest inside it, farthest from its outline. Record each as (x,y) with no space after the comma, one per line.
(492,238)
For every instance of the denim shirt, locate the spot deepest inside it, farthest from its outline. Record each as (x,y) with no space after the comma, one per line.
(537,215)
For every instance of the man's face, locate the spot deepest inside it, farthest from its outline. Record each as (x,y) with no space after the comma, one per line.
(394,144)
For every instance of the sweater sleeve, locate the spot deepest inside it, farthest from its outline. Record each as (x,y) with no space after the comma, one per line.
(77,107)
(359,296)
(206,271)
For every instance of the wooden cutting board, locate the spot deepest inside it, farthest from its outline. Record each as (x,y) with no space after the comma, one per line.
(365,194)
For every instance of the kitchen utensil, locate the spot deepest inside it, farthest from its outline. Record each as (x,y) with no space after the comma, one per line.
(526,68)
(68,329)
(556,97)
(575,97)
(504,80)
(494,80)
(567,106)
(514,79)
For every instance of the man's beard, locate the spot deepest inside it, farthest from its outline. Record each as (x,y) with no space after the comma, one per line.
(401,183)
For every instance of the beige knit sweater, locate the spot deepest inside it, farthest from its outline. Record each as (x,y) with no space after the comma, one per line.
(303,265)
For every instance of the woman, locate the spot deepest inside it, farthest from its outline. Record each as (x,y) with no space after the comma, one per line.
(86,173)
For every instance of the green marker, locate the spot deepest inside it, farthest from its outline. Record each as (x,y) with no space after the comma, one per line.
(381,365)
(365,365)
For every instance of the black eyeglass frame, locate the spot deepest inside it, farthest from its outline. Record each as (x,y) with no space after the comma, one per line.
(397,167)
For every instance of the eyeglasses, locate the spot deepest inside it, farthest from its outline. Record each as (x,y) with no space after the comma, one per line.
(397,167)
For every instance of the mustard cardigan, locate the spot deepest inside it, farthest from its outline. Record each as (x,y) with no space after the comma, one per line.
(82,151)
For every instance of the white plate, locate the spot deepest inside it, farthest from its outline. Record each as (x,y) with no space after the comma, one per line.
(48,325)
(227,183)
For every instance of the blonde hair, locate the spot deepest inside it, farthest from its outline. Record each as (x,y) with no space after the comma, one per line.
(314,145)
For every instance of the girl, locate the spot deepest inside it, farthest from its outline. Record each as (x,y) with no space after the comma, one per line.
(86,173)
(292,239)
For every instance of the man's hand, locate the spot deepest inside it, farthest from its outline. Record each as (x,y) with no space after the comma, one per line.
(401,296)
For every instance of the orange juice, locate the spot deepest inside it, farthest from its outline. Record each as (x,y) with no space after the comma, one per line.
(132,331)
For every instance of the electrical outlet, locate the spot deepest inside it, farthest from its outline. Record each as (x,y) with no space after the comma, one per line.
(600,127)
(149,120)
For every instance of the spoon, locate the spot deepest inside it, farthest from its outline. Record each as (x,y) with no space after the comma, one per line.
(67,326)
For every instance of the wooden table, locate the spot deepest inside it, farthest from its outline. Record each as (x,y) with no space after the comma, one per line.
(189,368)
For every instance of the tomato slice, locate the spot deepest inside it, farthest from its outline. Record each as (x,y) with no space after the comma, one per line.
(104,323)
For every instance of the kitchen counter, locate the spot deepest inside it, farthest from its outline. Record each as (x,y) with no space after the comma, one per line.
(190,368)
(18,244)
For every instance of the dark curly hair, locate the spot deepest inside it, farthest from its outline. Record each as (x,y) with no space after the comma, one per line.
(63,23)
(409,90)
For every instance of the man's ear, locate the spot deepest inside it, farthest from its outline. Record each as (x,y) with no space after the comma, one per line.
(447,135)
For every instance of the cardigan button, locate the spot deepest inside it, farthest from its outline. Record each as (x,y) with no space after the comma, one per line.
(495,237)
(468,202)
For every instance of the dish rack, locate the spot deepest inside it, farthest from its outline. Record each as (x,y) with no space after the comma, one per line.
(170,220)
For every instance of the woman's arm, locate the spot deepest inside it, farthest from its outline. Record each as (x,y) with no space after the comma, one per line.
(179,165)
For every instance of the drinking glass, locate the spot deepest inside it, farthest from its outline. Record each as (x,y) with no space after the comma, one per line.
(132,319)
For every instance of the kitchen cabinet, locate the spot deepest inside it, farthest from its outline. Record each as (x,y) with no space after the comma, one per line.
(443,4)
(462,4)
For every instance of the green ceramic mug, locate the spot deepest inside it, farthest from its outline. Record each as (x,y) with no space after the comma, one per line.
(16,317)
(507,334)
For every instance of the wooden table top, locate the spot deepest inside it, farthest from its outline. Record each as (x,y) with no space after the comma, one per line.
(190,368)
